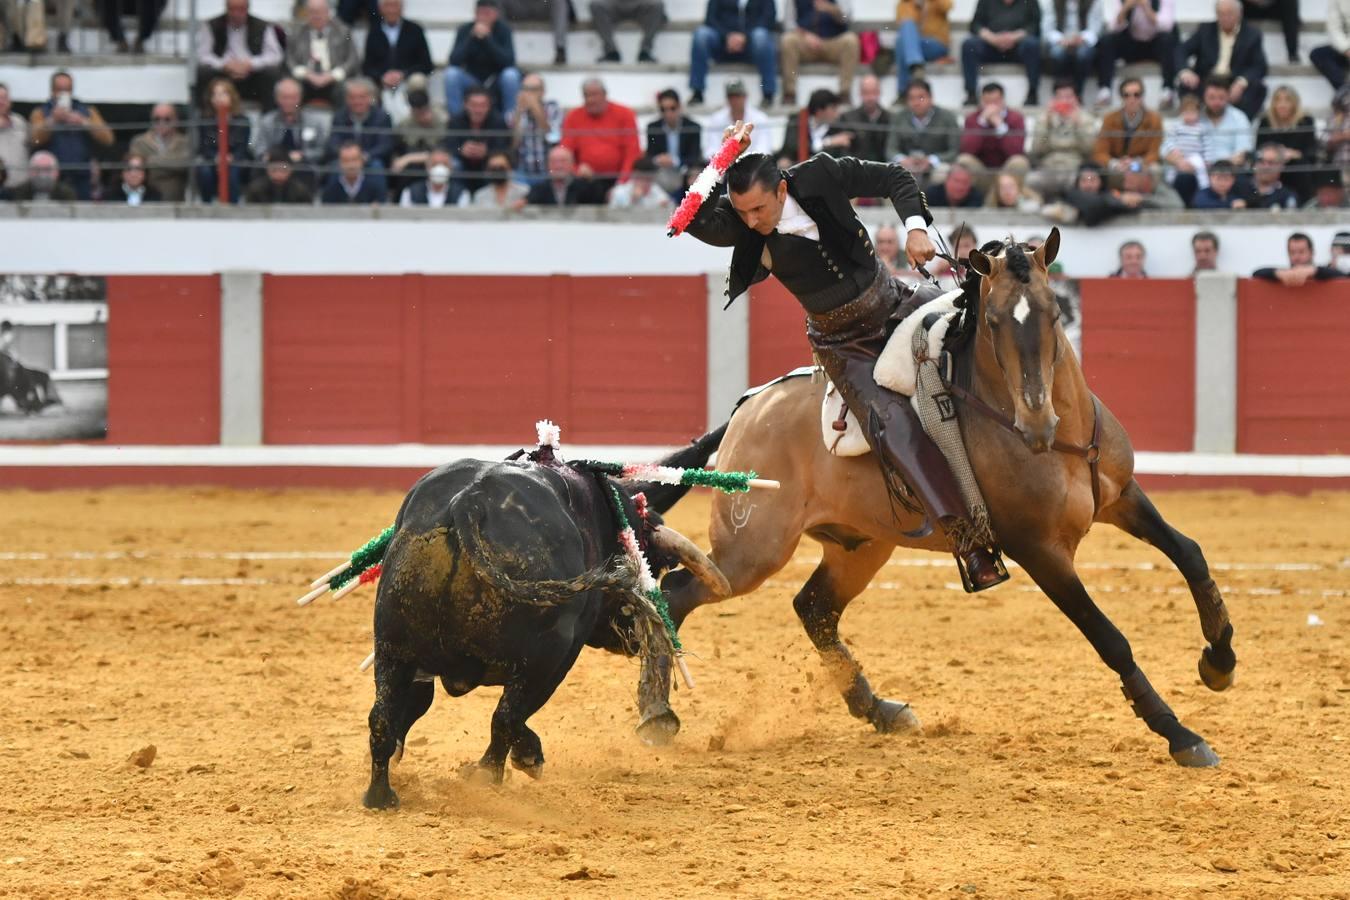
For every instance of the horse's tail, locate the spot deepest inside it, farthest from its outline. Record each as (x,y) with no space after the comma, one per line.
(661,497)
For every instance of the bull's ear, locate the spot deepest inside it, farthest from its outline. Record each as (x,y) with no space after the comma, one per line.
(1046,252)
(981,263)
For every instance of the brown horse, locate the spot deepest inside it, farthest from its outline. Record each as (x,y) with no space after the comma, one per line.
(1041,502)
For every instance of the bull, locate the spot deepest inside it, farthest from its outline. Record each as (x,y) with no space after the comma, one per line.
(498,573)
(32,389)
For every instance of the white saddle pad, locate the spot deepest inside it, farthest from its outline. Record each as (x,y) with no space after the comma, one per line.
(895,370)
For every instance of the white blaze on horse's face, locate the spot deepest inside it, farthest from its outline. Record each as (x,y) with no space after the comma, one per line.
(1021,310)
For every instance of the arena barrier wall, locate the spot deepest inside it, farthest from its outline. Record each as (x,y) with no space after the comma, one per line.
(1195,369)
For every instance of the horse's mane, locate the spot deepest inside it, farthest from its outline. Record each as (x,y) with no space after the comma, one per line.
(1018,263)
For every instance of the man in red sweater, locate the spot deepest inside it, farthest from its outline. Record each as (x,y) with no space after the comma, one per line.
(994,134)
(603,137)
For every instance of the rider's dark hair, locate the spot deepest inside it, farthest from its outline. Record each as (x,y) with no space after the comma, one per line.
(757,168)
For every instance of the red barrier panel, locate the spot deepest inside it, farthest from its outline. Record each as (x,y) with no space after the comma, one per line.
(462,359)
(777,332)
(1139,356)
(1293,368)
(163,359)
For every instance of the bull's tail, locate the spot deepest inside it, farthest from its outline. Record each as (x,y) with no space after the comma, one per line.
(467,517)
(661,497)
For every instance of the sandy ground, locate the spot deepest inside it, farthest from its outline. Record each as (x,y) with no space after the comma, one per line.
(1032,778)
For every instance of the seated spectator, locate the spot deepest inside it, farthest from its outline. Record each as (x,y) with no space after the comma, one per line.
(1069,34)
(501,191)
(1302,269)
(419,134)
(1286,13)
(484,56)
(868,122)
(886,242)
(1087,195)
(733,31)
(558,14)
(14,140)
(277,184)
(1223,192)
(1333,59)
(1336,142)
(1230,49)
(536,124)
(71,131)
(301,133)
(641,190)
(1008,192)
(922,35)
(320,54)
(351,185)
(476,135)
(562,187)
(1003,31)
(1183,148)
(1340,252)
(362,122)
(1139,191)
(44,184)
(134,190)
(738,109)
(1137,31)
(1131,134)
(1227,136)
(395,48)
(1132,256)
(1328,191)
(993,134)
(1205,249)
(649,14)
(821,34)
(603,138)
(242,48)
(962,240)
(673,142)
(923,136)
(1287,125)
(164,148)
(147,14)
(437,189)
(814,130)
(222,95)
(1267,190)
(956,190)
(1063,140)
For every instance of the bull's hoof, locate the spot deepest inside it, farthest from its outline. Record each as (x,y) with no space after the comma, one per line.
(659,729)
(484,773)
(380,797)
(1214,678)
(889,717)
(1198,756)
(533,767)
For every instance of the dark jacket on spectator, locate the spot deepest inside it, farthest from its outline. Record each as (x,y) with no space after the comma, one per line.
(118,195)
(483,57)
(1206,198)
(255,31)
(690,142)
(410,55)
(999,17)
(334,193)
(542,194)
(1280,198)
(261,191)
(60,193)
(727,16)
(417,193)
(494,134)
(1322,273)
(375,135)
(240,131)
(819,23)
(1249,55)
(937,196)
(869,141)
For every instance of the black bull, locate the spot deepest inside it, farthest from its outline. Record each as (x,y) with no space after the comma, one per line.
(31,389)
(498,573)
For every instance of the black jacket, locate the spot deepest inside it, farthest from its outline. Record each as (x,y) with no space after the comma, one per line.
(542,194)
(691,140)
(1249,55)
(410,55)
(335,194)
(823,186)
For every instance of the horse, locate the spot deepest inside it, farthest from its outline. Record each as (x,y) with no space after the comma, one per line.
(1049,457)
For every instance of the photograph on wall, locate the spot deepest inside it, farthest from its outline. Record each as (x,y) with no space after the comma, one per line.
(1070,299)
(53,358)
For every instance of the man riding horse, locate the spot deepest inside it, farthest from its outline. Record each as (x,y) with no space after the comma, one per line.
(800,225)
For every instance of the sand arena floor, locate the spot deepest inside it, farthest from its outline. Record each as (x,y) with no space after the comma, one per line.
(1032,778)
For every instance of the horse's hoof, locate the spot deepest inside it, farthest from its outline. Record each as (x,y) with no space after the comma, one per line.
(889,717)
(1214,678)
(1200,756)
(531,767)
(659,730)
(381,797)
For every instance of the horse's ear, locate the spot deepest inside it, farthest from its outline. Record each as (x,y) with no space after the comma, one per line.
(981,263)
(1046,252)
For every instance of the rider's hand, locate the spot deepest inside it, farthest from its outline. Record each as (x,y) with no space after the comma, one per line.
(918,248)
(740,131)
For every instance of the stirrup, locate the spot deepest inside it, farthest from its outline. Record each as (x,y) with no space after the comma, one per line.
(969,583)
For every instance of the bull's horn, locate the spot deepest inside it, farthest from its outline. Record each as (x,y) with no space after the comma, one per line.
(693,559)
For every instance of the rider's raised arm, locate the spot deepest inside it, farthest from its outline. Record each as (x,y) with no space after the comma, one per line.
(716,223)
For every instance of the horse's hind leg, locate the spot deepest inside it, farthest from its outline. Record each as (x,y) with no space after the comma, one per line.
(842,575)
(1135,514)
(1055,575)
